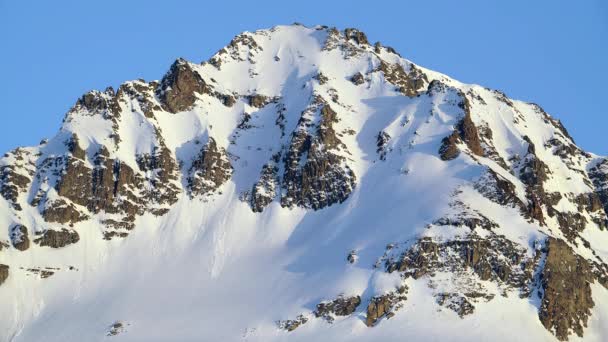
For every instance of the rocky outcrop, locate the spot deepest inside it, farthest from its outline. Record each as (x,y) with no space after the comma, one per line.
(3,273)
(356,35)
(493,258)
(357,79)
(456,302)
(209,170)
(341,306)
(292,324)
(19,237)
(382,140)
(264,191)
(566,293)
(598,174)
(465,132)
(178,89)
(316,176)
(15,176)
(61,211)
(385,306)
(409,83)
(57,238)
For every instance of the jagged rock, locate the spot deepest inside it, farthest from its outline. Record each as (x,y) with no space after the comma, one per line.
(382,144)
(493,258)
(74,147)
(61,211)
(161,176)
(385,306)
(115,329)
(42,273)
(356,35)
(498,189)
(599,176)
(357,79)
(459,304)
(19,237)
(57,238)
(408,83)
(291,325)
(352,257)
(341,306)
(566,292)
(15,177)
(179,87)
(465,131)
(321,78)
(322,178)
(3,273)
(258,101)
(209,170)
(265,189)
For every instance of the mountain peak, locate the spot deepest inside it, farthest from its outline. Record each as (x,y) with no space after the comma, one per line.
(331,178)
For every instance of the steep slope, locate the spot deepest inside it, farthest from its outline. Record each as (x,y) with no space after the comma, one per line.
(303,184)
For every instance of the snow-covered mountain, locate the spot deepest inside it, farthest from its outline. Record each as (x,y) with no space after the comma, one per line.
(303,184)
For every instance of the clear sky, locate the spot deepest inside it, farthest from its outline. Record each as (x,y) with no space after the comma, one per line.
(554,53)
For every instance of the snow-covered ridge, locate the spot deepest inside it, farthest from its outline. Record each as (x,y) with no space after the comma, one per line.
(303,184)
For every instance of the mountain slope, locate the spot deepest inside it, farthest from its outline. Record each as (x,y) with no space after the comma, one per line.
(303,184)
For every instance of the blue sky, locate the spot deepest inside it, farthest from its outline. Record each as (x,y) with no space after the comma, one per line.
(553,53)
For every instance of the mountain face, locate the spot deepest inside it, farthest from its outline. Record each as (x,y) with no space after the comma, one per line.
(303,184)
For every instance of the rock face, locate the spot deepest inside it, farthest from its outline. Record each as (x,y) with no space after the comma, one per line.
(316,176)
(385,306)
(179,87)
(210,170)
(341,306)
(57,238)
(566,292)
(19,237)
(3,273)
(465,132)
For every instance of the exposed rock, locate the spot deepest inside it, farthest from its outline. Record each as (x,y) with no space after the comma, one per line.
(264,191)
(19,237)
(291,325)
(408,83)
(357,79)
(179,87)
(109,235)
(493,258)
(465,132)
(382,144)
(57,238)
(458,303)
(258,101)
(61,211)
(499,189)
(315,175)
(356,35)
(321,78)
(385,306)
(209,170)
(161,184)
(341,306)
(599,176)
(116,328)
(352,257)
(42,273)
(3,273)
(15,177)
(566,292)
